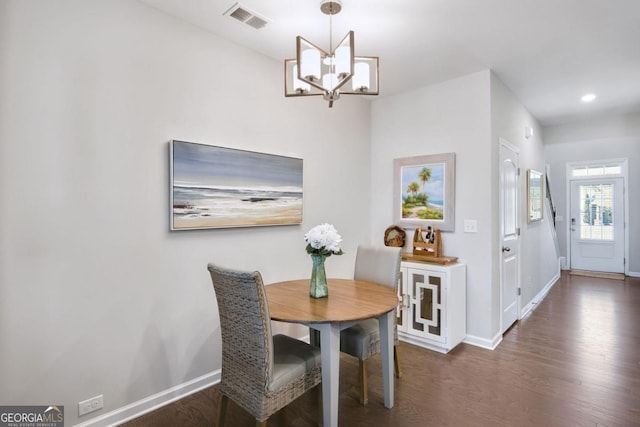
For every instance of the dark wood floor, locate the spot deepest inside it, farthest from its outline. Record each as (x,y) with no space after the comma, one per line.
(573,361)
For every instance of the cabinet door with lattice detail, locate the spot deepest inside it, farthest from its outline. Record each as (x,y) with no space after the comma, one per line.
(427,294)
(433,303)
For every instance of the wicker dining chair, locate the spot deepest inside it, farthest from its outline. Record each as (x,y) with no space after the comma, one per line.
(260,372)
(379,264)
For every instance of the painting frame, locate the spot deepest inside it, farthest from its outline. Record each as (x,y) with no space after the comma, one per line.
(535,196)
(408,212)
(214,187)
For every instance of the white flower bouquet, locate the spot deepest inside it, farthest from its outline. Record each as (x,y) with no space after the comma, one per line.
(324,240)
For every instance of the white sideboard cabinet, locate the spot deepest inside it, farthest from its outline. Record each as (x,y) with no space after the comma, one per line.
(433,308)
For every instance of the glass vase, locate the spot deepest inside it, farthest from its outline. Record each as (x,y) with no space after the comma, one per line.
(318,286)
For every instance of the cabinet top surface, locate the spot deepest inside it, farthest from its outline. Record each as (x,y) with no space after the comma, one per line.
(432,266)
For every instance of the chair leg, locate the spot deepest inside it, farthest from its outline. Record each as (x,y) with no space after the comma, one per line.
(364,392)
(222,410)
(318,389)
(314,337)
(396,360)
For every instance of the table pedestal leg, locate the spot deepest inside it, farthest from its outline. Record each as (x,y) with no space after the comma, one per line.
(385,323)
(330,347)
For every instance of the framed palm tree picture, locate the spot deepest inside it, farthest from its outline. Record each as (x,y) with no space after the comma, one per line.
(424,191)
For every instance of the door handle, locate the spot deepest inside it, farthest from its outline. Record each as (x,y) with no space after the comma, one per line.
(506,249)
(406,300)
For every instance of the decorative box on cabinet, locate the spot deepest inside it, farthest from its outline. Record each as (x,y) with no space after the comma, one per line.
(433,308)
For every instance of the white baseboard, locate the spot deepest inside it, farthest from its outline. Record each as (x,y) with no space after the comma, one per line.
(536,300)
(422,342)
(633,274)
(483,342)
(497,339)
(153,402)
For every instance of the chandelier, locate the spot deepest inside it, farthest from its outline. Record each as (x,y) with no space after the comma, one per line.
(330,74)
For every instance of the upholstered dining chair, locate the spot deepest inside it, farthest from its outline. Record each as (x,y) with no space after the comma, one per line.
(261,373)
(379,264)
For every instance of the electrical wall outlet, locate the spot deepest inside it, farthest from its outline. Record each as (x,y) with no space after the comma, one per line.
(470,226)
(90,405)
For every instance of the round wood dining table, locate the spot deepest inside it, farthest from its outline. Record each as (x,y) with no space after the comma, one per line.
(349,301)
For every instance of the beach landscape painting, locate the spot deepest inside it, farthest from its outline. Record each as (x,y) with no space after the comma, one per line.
(219,187)
(424,191)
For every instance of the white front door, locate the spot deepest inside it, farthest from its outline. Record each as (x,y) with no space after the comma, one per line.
(597,225)
(509,235)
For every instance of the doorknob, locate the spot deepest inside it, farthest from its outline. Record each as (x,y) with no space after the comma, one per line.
(506,249)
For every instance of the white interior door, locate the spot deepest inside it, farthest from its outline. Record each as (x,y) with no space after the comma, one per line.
(597,225)
(509,235)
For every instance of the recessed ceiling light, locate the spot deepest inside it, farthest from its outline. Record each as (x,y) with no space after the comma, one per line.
(588,97)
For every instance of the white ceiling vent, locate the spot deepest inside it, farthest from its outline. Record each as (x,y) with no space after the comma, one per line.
(249,17)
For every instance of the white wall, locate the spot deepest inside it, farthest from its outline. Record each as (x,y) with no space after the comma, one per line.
(468,116)
(606,138)
(539,260)
(620,127)
(96,295)
(453,116)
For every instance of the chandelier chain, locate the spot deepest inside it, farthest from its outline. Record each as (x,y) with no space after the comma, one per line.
(331,34)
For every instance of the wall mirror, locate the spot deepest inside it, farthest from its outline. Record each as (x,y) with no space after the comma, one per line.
(535,195)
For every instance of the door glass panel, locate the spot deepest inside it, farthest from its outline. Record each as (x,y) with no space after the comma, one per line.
(426,304)
(418,294)
(435,281)
(596,212)
(435,330)
(612,170)
(597,170)
(416,326)
(425,308)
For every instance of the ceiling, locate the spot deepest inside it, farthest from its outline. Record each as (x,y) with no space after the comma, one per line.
(548,52)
